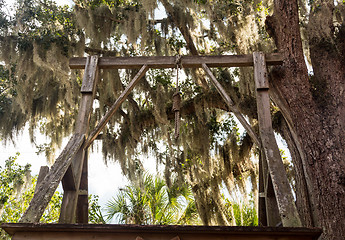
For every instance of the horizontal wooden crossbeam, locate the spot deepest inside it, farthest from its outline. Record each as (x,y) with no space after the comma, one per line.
(170,61)
(155,232)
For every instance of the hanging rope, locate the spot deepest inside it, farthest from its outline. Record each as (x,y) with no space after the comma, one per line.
(177,100)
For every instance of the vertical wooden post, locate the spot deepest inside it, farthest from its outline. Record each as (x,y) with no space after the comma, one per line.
(262,196)
(271,211)
(83,196)
(285,201)
(78,168)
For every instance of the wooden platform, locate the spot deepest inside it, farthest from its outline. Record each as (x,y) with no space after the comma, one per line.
(26,231)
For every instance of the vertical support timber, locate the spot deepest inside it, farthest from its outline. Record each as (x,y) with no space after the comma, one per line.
(83,196)
(271,211)
(285,201)
(78,168)
(262,196)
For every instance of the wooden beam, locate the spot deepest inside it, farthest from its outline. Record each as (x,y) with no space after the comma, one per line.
(88,92)
(267,197)
(82,214)
(155,232)
(90,74)
(170,62)
(70,195)
(41,175)
(232,106)
(271,203)
(262,216)
(116,105)
(68,181)
(260,72)
(285,201)
(71,192)
(47,189)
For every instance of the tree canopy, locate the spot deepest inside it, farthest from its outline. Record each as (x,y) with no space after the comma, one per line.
(307,106)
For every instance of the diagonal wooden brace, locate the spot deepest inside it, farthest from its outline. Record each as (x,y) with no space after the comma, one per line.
(48,187)
(116,105)
(232,106)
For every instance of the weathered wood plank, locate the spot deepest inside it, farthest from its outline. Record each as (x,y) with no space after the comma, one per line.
(169,61)
(46,190)
(156,232)
(148,236)
(232,106)
(85,109)
(70,196)
(41,175)
(262,196)
(269,200)
(90,74)
(287,208)
(116,105)
(70,199)
(82,213)
(68,181)
(261,81)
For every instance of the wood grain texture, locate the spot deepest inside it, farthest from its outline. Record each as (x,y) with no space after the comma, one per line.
(262,216)
(260,71)
(155,232)
(41,175)
(90,74)
(169,61)
(285,201)
(70,199)
(82,211)
(46,190)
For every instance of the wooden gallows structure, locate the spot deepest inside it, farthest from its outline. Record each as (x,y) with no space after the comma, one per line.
(276,201)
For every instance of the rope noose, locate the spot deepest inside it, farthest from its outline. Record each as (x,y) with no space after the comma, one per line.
(177,100)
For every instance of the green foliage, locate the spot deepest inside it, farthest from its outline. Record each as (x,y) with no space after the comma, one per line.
(16,192)
(176,44)
(12,178)
(222,125)
(243,214)
(45,23)
(95,213)
(152,202)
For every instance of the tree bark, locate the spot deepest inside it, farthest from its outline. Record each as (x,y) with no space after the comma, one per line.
(315,110)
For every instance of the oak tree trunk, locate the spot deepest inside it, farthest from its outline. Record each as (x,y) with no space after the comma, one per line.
(314,108)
